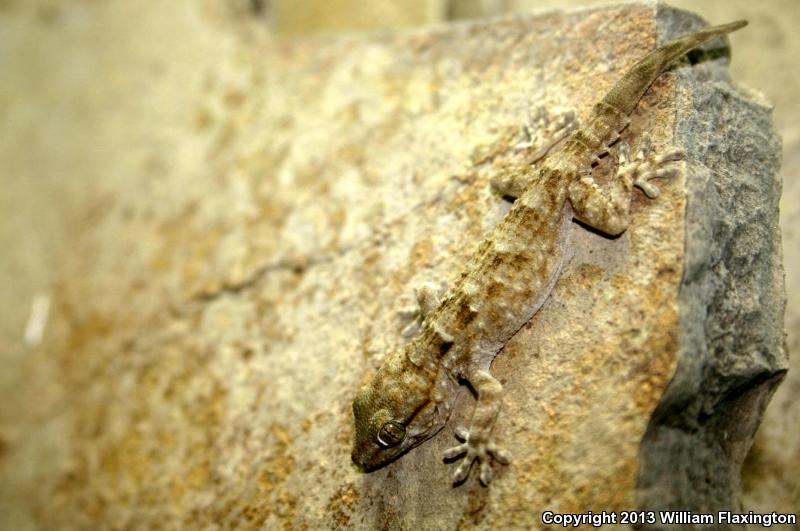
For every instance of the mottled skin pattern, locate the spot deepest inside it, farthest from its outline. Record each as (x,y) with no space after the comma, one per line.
(507,280)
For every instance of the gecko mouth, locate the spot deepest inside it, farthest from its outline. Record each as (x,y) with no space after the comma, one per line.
(365,465)
(363,455)
(360,465)
(368,457)
(369,461)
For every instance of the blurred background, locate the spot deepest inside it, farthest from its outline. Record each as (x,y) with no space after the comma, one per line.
(67,61)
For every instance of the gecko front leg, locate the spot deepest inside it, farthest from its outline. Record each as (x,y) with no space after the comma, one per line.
(608,208)
(477,442)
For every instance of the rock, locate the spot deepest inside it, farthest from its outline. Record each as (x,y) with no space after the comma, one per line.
(271,205)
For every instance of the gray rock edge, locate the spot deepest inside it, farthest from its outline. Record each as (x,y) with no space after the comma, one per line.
(731,346)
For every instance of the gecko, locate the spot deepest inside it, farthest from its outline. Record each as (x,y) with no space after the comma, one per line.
(508,278)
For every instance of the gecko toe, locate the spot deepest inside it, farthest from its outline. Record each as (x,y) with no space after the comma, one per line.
(670,155)
(647,166)
(411,330)
(462,471)
(649,189)
(500,455)
(456,451)
(486,473)
(462,433)
(645,146)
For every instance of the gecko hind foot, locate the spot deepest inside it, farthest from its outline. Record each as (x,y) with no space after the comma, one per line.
(471,450)
(544,130)
(646,165)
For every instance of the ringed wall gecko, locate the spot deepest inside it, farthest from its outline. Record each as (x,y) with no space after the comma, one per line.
(509,277)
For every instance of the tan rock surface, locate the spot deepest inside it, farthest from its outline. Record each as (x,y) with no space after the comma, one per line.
(258,211)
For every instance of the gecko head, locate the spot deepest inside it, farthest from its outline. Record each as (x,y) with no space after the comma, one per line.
(393,413)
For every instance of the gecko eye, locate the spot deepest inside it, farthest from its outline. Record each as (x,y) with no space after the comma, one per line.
(391,434)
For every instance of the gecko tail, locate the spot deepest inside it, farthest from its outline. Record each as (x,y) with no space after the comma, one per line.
(625,94)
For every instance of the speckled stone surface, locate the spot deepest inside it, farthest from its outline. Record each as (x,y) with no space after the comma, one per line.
(261,211)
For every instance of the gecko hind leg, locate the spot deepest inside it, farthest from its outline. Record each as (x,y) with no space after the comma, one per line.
(543,134)
(477,441)
(607,208)
(545,131)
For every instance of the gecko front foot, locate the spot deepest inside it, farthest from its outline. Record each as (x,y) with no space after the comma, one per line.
(427,297)
(646,165)
(473,449)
